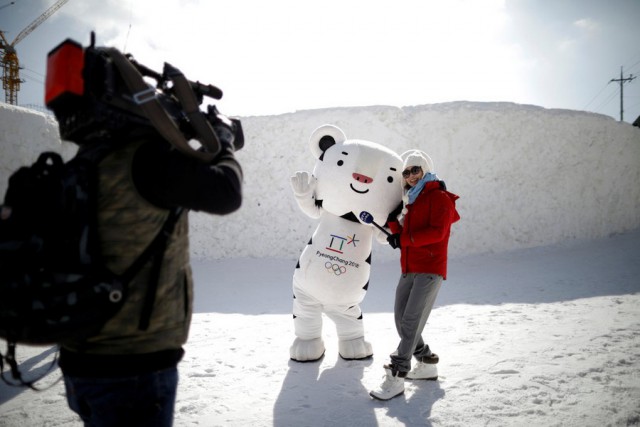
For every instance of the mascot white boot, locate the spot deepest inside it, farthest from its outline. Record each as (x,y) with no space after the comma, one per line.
(351,177)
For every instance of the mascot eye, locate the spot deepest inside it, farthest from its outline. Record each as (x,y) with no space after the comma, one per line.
(390,179)
(340,163)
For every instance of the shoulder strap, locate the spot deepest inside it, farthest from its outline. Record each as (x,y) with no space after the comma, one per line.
(156,250)
(95,151)
(158,243)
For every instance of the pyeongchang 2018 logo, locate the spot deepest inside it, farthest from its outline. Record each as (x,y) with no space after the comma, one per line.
(335,263)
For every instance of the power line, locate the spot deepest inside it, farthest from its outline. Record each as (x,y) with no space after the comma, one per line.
(631,67)
(597,95)
(636,56)
(605,102)
(37,79)
(34,71)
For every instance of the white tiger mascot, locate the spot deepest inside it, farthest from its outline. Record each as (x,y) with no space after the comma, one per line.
(353,183)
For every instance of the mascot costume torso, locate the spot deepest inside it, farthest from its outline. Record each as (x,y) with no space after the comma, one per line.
(351,177)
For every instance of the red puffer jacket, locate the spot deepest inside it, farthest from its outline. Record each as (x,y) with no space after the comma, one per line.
(424,236)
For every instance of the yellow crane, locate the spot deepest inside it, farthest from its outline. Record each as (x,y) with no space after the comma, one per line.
(10,64)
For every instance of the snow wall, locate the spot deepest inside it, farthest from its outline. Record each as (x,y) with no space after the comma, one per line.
(526,176)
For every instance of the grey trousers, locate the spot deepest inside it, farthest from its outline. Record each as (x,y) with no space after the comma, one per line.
(415,295)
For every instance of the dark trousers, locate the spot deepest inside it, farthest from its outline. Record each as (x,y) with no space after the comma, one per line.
(140,400)
(415,295)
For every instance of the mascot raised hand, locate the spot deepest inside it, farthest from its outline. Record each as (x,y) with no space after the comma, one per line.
(351,177)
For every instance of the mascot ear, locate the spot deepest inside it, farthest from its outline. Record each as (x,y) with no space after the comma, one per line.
(324,137)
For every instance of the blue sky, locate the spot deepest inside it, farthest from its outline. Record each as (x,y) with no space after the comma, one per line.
(285,55)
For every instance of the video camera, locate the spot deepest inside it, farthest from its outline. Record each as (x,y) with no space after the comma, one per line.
(98,93)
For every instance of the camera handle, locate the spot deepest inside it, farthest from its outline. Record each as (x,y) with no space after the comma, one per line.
(187,98)
(161,120)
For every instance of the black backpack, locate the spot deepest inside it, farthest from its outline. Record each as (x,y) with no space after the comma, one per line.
(54,286)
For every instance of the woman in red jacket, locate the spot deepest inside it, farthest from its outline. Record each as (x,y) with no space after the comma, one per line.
(422,234)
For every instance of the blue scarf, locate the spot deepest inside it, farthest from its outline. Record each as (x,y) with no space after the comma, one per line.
(416,189)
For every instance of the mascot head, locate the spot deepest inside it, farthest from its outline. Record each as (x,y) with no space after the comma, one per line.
(355,175)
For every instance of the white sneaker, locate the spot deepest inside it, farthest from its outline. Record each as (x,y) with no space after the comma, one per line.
(392,386)
(423,371)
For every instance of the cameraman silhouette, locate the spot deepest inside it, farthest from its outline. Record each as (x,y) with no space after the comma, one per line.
(127,375)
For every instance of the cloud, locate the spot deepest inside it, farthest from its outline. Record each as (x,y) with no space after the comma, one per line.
(587,25)
(584,29)
(566,45)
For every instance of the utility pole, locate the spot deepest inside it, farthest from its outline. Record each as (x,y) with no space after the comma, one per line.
(622,81)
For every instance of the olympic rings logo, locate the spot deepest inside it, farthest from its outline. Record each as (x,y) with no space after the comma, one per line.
(336,268)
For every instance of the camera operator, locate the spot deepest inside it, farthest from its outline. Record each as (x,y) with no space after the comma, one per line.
(127,375)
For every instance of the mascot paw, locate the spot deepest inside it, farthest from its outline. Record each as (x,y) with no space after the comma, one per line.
(307,350)
(303,184)
(356,349)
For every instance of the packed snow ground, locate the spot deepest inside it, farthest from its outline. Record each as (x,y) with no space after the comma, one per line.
(543,337)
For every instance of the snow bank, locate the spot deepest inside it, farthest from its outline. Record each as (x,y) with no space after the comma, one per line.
(527,176)
(23,135)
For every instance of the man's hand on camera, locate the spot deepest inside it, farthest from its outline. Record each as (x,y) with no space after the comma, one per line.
(394,241)
(226,151)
